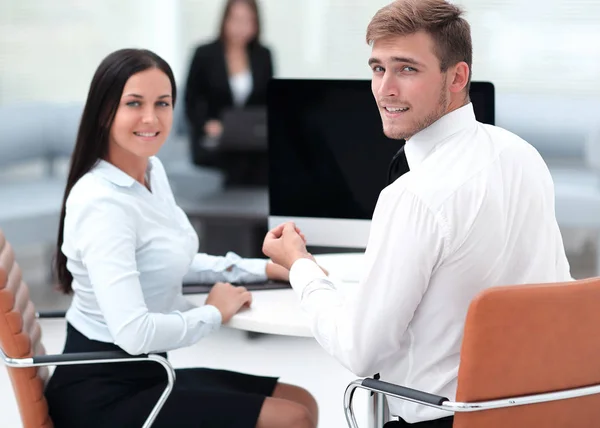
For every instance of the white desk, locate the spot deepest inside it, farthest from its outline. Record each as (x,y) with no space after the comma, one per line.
(278,312)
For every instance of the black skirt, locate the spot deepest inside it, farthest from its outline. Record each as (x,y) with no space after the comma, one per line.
(123,394)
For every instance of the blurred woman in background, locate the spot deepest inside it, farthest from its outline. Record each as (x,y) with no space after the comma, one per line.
(232,71)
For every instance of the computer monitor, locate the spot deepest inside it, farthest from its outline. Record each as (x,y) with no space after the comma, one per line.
(328,156)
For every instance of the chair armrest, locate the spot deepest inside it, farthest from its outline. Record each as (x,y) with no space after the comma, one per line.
(388,389)
(98,358)
(443,403)
(403,392)
(86,358)
(51,314)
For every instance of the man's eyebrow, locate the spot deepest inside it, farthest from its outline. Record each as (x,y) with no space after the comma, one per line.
(403,59)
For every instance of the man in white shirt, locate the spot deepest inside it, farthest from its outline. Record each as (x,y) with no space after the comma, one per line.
(475,210)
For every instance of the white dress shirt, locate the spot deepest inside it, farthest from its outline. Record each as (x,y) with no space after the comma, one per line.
(129,250)
(476,210)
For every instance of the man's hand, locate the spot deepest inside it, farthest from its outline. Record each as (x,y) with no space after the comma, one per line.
(276,272)
(228,299)
(285,244)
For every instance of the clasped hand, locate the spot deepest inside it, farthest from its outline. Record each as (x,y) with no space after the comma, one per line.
(285,244)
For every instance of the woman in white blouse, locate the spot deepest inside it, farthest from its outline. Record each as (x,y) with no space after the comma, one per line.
(124,248)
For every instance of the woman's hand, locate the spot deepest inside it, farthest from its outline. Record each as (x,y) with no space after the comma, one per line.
(228,299)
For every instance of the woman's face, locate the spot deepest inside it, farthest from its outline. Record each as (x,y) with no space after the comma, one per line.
(240,24)
(144,116)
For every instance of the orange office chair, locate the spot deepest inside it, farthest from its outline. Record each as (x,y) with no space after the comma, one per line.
(22,351)
(530,357)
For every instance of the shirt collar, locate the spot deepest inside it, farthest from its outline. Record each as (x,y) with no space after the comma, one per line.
(115,175)
(424,142)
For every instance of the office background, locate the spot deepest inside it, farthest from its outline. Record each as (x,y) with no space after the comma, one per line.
(541,55)
(50,50)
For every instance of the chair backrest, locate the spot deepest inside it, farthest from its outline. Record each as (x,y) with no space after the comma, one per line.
(20,337)
(531,339)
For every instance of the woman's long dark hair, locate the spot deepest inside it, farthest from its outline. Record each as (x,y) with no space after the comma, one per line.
(98,115)
(254,6)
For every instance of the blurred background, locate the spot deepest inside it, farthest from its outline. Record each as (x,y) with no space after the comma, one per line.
(49,51)
(541,55)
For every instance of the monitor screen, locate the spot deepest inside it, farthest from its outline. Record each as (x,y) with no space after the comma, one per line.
(328,156)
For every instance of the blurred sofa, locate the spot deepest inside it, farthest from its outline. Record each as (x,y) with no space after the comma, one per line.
(35,137)
(35,146)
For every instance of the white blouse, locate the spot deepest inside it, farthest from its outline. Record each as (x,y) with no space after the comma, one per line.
(129,250)
(241,87)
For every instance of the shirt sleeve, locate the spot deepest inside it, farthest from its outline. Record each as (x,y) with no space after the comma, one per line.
(364,328)
(207,269)
(182,304)
(106,243)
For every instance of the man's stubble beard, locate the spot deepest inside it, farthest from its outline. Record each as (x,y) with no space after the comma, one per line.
(428,120)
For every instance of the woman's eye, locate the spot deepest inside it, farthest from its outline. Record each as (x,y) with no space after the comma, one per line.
(133,103)
(163,104)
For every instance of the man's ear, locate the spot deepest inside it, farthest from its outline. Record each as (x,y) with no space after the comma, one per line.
(460,74)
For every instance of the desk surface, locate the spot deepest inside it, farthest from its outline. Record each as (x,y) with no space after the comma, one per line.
(278,311)
(244,204)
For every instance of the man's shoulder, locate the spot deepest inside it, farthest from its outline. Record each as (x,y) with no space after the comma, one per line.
(451,174)
(514,150)
(505,137)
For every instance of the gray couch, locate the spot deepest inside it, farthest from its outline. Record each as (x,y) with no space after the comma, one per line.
(35,146)
(36,140)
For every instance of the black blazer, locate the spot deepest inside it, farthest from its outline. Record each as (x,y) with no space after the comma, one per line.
(207,92)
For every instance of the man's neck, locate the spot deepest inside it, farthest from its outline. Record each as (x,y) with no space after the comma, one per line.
(457,103)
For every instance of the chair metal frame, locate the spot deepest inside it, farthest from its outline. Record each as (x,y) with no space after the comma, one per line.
(443,403)
(96,358)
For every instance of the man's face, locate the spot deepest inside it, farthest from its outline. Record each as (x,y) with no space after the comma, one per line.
(410,90)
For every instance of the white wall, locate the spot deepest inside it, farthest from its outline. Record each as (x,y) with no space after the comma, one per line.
(309,38)
(524,46)
(49,50)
